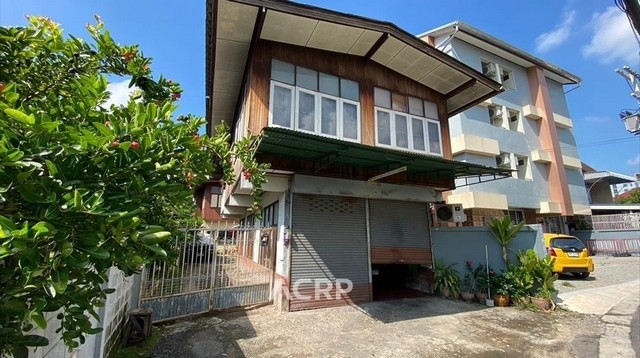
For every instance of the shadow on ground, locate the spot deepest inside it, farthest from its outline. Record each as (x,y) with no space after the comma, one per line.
(416,308)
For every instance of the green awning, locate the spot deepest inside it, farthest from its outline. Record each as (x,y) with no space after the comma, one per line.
(287,143)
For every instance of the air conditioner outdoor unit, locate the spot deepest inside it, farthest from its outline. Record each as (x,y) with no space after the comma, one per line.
(504,160)
(452,213)
(489,70)
(495,112)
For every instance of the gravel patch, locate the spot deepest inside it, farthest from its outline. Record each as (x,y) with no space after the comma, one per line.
(609,270)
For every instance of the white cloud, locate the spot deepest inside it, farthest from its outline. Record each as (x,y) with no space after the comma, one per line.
(596,119)
(634,162)
(557,36)
(613,38)
(120,93)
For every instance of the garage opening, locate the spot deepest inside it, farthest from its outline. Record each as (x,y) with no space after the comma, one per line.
(396,281)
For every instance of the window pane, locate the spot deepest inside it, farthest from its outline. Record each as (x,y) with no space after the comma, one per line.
(417,128)
(328,122)
(399,102)
(306,111)
(349,90)
(282,106)
(402,135)
(283,72)
(434,138)
(382,97)
(329,84)
(430,110)
(349,120)
(415,106)
(384,128)
(307,78)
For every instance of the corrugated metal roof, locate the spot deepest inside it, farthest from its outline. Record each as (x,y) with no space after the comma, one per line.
(234,26)
(288,143)
(611,177)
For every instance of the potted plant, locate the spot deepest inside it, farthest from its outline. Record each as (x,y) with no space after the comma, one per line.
(446,279)
(482,282)
(545,279)
(468,286)
(502,288)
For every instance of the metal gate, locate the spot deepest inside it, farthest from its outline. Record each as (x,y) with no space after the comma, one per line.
(210,269)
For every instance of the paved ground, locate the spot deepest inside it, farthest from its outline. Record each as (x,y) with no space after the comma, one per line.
(426,327)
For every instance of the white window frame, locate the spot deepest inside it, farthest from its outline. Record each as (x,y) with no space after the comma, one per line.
(410,117)
(294,120)
(340,119)
(428,147)
(316,110)
(293,102)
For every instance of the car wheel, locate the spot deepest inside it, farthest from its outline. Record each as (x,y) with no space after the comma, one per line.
(582,275)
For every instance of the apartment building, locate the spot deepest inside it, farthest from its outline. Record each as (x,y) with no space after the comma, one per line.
(527,129)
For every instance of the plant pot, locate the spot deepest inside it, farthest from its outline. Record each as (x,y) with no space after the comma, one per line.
(521,301)
(445,292)
(467,296)
(542,303)
(482,296)
(501,300)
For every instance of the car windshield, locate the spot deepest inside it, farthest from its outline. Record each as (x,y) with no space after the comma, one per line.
(566,242)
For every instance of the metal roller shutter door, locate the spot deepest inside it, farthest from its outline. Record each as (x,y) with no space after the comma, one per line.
(399,232)
(329,242)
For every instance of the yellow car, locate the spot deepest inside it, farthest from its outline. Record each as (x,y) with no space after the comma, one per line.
(571,256)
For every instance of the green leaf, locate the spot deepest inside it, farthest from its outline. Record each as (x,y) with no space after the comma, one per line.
(60,279)
(96,252)
(20,116)
(42,228)
(67,249)
(13,155)
(103,129)
(157,250)
(49,288)
(39,320)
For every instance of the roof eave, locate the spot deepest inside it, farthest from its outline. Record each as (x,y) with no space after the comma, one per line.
(458,26)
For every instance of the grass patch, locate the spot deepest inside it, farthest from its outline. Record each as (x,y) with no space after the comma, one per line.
(141,349)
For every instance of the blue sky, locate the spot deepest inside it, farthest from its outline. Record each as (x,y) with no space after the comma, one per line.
(590,38)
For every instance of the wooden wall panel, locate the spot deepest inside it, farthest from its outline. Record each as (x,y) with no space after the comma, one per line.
(400,255)
(368,74)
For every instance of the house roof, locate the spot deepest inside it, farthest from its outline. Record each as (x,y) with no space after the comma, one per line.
(500,48)
(306,146)
(610,177)
(233,26)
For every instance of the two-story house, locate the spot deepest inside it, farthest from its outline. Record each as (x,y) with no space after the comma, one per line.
(353,116)
(527,128)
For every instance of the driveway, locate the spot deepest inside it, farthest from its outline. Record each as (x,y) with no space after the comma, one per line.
(420,327)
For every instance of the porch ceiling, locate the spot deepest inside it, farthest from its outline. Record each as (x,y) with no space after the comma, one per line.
(232,26)
(287,143)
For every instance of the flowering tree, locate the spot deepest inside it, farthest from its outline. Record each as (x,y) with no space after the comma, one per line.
(84,187)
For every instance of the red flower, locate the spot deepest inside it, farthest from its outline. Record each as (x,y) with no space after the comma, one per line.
(135,145)
(1,86)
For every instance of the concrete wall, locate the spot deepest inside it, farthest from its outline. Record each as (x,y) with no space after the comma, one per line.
(113,319)
(457,244)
